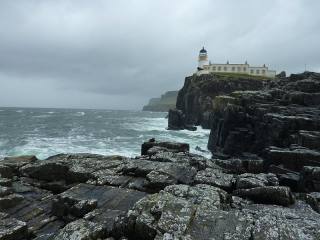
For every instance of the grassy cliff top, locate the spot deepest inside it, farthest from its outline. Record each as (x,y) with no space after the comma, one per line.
(241,75)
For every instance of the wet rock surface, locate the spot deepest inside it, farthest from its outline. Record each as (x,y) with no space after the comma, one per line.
(166,193)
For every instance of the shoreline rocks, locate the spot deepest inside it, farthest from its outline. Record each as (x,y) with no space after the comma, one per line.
(166,193)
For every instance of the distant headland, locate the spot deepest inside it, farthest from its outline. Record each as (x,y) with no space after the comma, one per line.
(162,104)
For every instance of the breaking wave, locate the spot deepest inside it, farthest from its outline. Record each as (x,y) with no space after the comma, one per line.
(45,132)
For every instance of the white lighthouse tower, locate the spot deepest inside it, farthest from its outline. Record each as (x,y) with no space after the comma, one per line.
(203,59)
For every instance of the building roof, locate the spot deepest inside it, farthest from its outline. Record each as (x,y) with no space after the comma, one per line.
(203,50)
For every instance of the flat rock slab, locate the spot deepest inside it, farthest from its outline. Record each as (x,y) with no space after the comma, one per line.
(83,198)
(215,177)
(32,206)
(12,229)
(80,230)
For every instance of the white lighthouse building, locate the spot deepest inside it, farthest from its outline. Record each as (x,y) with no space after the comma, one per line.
(203,59)
(205,67)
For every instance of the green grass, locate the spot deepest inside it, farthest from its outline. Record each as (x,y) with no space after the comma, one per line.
(242,75)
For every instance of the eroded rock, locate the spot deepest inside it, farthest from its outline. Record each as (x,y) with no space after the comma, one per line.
(81,230)
(12,229)
(268,194)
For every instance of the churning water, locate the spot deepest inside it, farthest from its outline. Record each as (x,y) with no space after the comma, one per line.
(45,132)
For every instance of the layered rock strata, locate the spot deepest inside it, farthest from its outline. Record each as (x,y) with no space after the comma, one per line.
(166,193)
(196,99)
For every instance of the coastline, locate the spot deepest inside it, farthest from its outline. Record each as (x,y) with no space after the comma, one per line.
(263,175)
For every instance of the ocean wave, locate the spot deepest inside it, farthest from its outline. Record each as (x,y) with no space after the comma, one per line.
(42,116)
(147,124)
(122,138)
(45,147)
(120,133)
(200,132)
(79,114)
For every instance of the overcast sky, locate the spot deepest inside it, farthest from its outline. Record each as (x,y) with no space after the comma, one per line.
(118,54)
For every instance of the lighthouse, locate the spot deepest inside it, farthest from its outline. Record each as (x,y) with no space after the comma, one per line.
(203,59)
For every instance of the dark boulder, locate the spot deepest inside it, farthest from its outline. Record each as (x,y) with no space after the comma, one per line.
(310,179)
(176,120)
(281,74)
(269,195)
(166,146)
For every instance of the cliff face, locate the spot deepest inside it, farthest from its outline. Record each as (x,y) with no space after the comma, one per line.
(162,104)
(275,120)
(285,115)
(196,99)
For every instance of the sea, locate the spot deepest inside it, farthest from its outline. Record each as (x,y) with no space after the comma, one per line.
(45,132)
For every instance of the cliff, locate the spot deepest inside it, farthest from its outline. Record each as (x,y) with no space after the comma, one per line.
(196,99)
(275,120)
(162,104)
(283,117)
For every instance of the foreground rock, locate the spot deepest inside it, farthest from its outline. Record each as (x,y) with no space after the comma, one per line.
(166,193)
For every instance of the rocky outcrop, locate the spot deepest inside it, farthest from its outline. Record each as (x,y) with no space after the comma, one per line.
(162,104)
(177,121)
(166,193)
(280,123)
(196,99)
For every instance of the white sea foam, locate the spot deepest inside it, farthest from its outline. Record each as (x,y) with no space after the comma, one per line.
(80,114)
(148,124)
(120,133)
(41,116)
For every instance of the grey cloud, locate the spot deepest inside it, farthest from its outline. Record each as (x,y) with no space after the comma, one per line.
(118,54)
